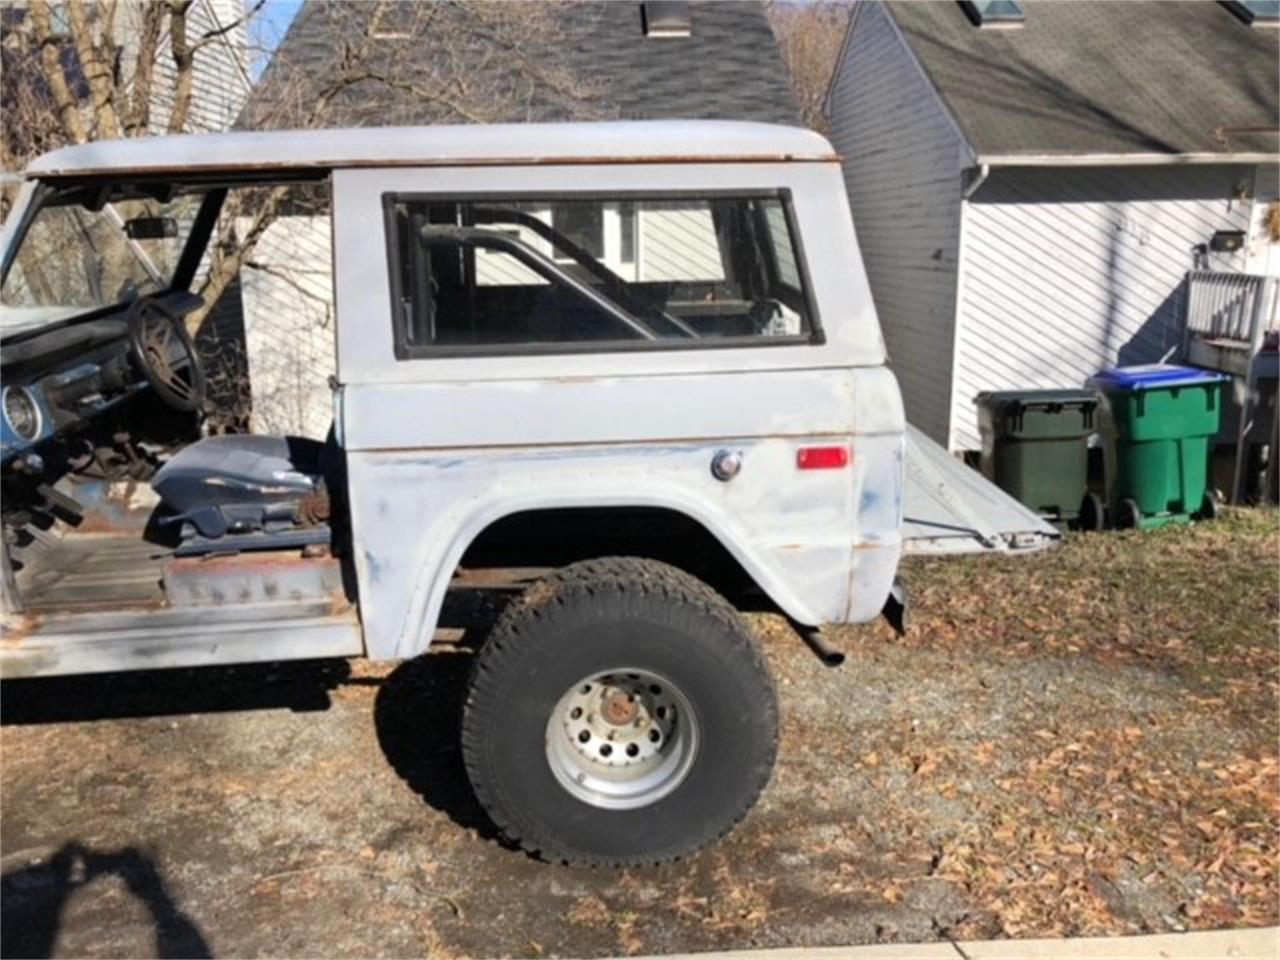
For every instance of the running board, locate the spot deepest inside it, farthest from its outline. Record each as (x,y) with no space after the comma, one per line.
(37,645)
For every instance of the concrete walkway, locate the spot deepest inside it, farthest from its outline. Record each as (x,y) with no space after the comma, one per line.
(1259,943)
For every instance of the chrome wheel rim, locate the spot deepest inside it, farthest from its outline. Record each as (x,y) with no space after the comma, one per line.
(622,739)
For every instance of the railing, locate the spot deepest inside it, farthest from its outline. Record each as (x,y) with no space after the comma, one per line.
(1240,307)
(1232,318)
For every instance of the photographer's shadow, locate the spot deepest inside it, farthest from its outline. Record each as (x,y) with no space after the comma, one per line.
(33,899)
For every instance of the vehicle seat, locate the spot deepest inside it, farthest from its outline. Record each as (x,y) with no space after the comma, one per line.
(241,483)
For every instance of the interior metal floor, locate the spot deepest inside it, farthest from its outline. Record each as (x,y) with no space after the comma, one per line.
(91,571)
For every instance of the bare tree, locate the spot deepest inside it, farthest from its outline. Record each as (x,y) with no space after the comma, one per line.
(810,35)
(76,71)
(484,59)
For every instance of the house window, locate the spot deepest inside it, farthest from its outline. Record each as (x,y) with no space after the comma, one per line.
(993,13)
(496,275)
(1256,13)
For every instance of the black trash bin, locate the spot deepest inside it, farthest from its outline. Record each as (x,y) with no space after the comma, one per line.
(1035,446)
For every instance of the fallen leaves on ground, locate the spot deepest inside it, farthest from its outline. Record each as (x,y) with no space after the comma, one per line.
(1071,826)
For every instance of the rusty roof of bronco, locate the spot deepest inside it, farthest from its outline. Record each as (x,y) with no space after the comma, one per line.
(516,144)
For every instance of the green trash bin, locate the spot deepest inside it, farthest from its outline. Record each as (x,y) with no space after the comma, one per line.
(1035,447)
(1161,420)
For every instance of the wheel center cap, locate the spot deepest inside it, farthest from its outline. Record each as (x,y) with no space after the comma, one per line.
(619,709)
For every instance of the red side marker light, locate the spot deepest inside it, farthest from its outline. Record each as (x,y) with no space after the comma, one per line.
(822,458)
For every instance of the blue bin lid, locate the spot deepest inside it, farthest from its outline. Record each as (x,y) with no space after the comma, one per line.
(1153,376)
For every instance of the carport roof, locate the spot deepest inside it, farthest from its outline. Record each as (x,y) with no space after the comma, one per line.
(1144,78)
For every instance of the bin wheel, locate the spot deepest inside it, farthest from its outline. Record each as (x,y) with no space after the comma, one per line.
(1208,507)
(1128,514)
(1092,513)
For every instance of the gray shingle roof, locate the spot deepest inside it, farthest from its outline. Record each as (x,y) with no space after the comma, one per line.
(1103,77)
(729,68)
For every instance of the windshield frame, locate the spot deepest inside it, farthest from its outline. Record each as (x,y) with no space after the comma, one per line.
(114,191)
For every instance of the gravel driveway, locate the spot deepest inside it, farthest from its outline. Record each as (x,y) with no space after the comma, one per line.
(1082,742)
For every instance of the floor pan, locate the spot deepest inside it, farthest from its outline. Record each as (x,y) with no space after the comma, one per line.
(77,572)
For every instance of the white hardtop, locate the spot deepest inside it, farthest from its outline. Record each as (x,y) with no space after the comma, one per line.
(638,141)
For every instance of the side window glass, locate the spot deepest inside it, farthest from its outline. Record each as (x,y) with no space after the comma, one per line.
(593,272)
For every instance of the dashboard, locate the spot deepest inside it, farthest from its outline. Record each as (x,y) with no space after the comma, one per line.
(58,380)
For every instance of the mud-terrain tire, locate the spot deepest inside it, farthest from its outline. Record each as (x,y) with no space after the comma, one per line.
(581,633)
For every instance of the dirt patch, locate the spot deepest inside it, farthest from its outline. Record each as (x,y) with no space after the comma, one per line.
(1082,742)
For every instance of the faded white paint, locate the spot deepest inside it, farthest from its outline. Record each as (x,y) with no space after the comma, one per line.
(149,639)
(516,144)
(518,433)
(287,297)
(438,449)
(842,298)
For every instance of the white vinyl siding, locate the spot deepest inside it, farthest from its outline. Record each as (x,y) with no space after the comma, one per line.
(679,244)
(902,160)
(289,332)
(220,70)
(675,243)
(1068,271)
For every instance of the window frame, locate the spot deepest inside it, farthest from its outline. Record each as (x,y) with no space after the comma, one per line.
(406,351)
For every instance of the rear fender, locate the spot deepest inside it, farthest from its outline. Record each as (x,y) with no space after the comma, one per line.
(792,551)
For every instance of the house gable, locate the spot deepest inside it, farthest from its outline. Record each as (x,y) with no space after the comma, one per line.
(902,159)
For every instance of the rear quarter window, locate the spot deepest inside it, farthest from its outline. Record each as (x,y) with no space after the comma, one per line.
(558,274)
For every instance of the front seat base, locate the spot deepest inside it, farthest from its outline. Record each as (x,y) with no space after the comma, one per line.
(241,484)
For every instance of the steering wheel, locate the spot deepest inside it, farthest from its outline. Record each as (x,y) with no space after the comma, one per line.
(163,350)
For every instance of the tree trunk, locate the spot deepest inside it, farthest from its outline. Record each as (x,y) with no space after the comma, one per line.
(93,61)
(183,61)
(51,66)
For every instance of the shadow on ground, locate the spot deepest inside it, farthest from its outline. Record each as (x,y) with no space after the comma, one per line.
(302,686)
(418,713)
(34,897)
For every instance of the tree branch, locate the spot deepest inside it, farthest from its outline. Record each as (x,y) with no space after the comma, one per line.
(286,276)
(51,66)
(139,110)
(210,35)
(106,124)
(230,256)
(183,62)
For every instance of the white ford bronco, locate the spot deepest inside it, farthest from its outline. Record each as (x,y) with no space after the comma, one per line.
(634,368)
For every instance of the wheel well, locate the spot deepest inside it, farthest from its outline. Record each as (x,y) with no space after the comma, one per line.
(556,538)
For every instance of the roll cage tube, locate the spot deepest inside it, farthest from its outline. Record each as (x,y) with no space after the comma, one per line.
(437,235)
(582,258)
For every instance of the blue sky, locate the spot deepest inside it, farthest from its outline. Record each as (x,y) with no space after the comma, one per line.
(267,29)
